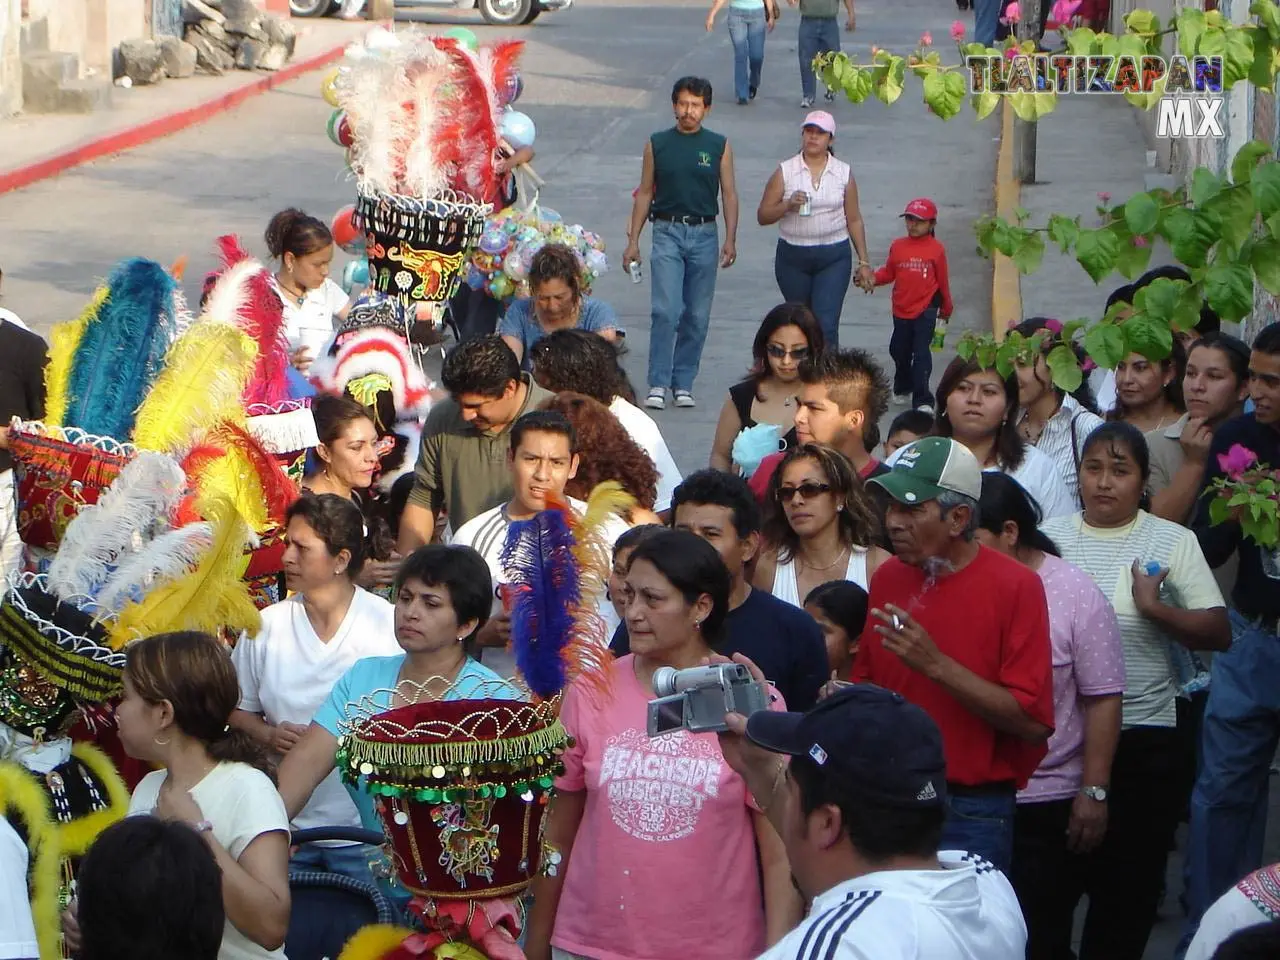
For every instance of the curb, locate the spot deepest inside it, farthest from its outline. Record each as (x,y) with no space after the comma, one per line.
(1006,285)
(163,126)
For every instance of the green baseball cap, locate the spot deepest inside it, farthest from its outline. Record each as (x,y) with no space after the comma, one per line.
(924,469)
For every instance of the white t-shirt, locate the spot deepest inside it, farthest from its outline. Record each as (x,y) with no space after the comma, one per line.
(1254,900)
(286,672)
(965,911)
(487,535)
(17,930)
(649,438)
(242,804)
(311,323)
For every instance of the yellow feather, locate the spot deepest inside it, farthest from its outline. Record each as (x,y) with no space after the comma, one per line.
(234,476)
(374,942)
(21,792)
(211,598)
(64,339)
(205,372)
(590,550)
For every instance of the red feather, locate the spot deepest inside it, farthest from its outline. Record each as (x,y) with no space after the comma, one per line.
(277,489)
(263,320)
(194,465)
(468,131)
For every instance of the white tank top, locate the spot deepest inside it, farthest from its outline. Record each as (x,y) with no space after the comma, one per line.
(785,586)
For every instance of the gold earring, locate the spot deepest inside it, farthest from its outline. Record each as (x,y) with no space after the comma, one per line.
(160,743)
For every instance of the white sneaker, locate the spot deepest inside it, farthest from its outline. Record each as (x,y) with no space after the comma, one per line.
(829,96)
(657,399)
(684,398)
(806,102)
(902,399)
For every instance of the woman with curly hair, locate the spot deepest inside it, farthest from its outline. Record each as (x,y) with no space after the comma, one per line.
(819,524)
(559,302)
(585,363)
(613,454)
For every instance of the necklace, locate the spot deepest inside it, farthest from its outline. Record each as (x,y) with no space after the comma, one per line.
(1109,565)
(844,552)
(298,297)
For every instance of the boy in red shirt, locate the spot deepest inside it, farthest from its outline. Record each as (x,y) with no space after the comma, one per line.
(917,268)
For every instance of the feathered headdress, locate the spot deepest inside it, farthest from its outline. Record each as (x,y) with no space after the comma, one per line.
(372,361)
(231,464)
(556,564)
(261,317)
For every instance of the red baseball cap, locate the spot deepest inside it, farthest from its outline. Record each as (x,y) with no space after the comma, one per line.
(922,208)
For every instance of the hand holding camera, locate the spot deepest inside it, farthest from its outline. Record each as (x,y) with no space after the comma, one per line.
(698,698)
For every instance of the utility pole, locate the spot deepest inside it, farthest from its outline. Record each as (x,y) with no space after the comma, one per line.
(380,10)
(1024,131)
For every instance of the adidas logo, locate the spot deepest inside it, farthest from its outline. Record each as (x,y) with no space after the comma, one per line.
(928,793)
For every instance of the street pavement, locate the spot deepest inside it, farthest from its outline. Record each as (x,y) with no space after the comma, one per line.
(597,82)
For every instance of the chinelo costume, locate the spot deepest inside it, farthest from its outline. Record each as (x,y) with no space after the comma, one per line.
(461,785)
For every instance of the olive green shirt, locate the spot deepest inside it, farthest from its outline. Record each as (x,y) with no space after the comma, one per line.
(820,9)
(460,468)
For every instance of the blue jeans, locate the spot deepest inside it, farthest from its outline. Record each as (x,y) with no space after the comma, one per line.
(817,35)
(818,277)
(350,860)
(981,822)
(1238,742)
(986,20)
(682,283)
(746,30)
(912,360)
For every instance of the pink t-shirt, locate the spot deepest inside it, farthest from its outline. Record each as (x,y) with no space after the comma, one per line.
(1088,660)
(666,844)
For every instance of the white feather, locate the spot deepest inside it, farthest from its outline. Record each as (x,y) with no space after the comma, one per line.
(230,295)
(169,556)
(147,489)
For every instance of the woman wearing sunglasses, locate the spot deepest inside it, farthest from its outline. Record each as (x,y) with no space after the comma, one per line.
(788,336)
(819,525)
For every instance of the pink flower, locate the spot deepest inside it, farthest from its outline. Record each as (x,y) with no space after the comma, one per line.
(1010,52)
(1052,325)
(1104,197)
(1088,365)
(1012,13)
(1236,461)
(926,39)
(1141,242)
(1064,10)
(957,31)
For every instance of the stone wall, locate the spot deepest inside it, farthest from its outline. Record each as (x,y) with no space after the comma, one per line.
(91,29)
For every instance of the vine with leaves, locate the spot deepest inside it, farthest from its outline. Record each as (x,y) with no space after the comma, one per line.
(1225,230)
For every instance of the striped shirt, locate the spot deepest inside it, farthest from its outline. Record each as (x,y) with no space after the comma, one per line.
(826,222)
(964,911)
(1055,441)
(1107,555)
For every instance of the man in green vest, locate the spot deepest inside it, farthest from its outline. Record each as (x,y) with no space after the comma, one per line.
(687,171)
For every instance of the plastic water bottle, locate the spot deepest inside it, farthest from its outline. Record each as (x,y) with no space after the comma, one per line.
(939,335)
(634,271)
(1151,568)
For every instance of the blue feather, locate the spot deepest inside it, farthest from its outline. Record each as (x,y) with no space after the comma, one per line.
(120,355)
(544,592)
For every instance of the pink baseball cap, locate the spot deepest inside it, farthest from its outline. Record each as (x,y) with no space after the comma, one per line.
(922,208)
(822,120)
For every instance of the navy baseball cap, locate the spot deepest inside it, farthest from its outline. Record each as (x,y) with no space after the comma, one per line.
(870,739)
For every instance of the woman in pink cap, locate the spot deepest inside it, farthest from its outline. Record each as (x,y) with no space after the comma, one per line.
(814,200)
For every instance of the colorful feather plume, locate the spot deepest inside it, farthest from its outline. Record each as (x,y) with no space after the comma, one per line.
(384,356)
(608,503)
(211,598)
(261,317)
(169,556)
(469,119)
(64,341)
(204,377)
(231,464)
(119,355)
(146,491)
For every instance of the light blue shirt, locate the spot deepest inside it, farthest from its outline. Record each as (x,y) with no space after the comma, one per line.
(746,4)
(519,322)
(371,682)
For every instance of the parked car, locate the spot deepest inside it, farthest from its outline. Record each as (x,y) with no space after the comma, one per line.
(499,12)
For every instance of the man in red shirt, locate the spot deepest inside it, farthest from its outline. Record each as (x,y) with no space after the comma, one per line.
(961,631)
(843,395)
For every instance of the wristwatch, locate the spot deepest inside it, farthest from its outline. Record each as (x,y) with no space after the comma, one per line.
(1095,793)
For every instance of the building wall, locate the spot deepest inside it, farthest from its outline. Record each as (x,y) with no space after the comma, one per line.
(91,29)
(10,62)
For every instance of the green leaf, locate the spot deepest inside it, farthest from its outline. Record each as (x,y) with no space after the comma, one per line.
(1005,361)
(1064,368)
(1273,224)
(1132,258)
(1266,263)
(944,92)
(1097,251)
(1063,230)
(986,354)
(1081,42)
(1268,14)
(888,80)
(1228,287)
(1262,72)
(1147,336)
(1159,299)
(1071,327)
(1233,208)
(857,85)
(985,229)
(1191,234)
(1191,26)
(984,104)
(1205,185)
(1265,183)
(967,346)
(1141,212)
(1030,253)
(1006,237)
(1237,57)
(1246,159)
(1186,312)
(1141,21)
(1104,342)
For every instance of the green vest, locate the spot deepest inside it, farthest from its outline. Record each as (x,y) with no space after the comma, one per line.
(686,171)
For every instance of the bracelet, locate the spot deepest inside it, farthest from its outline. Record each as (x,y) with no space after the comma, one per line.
(773,790)
(864,263)
(203,826)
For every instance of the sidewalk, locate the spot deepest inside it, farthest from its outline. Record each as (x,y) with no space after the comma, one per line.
(37,146)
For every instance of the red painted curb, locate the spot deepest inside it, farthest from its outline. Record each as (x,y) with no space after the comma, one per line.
(131,137)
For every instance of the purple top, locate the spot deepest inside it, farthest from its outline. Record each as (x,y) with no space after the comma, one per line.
(1088,660)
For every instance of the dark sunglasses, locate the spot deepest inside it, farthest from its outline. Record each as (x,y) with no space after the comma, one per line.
(780,353)
(808,490)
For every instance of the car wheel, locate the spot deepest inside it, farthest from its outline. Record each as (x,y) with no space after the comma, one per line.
(505,12)
(533,15)
(311,8)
